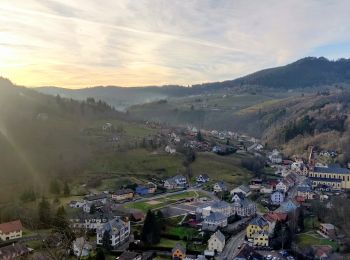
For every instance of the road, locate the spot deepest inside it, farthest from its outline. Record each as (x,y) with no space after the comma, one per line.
(231,247)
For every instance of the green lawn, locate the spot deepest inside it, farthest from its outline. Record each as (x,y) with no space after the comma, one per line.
(145,205)
(226,168)
(312,238)
(164,242)
(182,232)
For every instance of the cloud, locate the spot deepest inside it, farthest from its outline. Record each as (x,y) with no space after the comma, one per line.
(132,43)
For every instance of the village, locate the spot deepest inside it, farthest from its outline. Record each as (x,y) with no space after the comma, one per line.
(196,216)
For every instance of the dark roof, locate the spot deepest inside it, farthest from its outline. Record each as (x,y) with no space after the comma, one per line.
(247,252)
(325,179)
(127,255)
(215,216)
(336,170)
(13,251)
(178,247)
(259,221)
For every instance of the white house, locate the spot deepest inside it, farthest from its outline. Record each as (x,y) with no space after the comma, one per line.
(117,230)
(220,187)
(203,178)
(81,247)
(275,157)
(216,242)
(282,186)
(214,220)
(277,197)
(76,204)
(175,182)
(169,149)
(89,221)
(11,230)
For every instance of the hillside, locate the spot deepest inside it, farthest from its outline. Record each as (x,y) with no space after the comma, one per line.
(308,72)
(43,137)
(305,74)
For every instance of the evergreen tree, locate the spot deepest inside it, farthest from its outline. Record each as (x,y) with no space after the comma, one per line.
(66,190)
(106,240)
(54,187)
(199,136)
(301,220)
(92,209)
(151,228)
(99,254)
(44,212)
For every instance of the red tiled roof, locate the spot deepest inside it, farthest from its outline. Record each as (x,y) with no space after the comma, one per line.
(11,226)
(275,216)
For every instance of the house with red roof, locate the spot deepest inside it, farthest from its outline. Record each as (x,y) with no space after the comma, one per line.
(11,230)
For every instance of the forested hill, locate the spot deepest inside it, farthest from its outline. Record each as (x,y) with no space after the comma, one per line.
(304,73)
(40,136)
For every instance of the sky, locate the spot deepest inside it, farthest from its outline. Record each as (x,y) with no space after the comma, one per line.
(85,43)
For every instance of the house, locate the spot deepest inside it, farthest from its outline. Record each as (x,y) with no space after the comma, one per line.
(304,190)
(118,232)
(98,206)
(261,238)
(256,225)
(272,217)
(216,242)
(282,186)
(102,197)
(219,187)
(221,207)
(176,182)
(123,194)
(333,176)
(242,206)
(266,190)
(288,206)
(14,251)
(248,253)
(245,190)
(128,255)
(203,178)
(11,230)
(76,204)
(328,230)
(170,150)
(107,127)
(275,157)
(178,252)
(81,247)
(142,190)
(277,198)
(214,220)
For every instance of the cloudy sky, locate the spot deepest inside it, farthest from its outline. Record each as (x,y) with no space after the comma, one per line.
(136,43)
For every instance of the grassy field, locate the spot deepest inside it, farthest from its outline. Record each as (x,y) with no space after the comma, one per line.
(164,242)
(161,202)
(182,232)
(312,238)
(226,168)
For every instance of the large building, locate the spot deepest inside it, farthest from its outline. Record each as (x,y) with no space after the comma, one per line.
(11,230)
(335,177)
(118,232)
